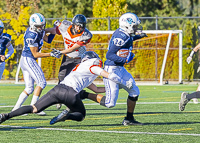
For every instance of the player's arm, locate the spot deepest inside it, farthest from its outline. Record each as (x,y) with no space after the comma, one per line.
(10,48)
(37,54)
(73,48)
(96,89)
(111,76)
(189,58)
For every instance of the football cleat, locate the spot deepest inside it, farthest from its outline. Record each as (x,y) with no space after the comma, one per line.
(183,101)
(3,118)
(42,113)
(60,118)
(127,122)
(58,106)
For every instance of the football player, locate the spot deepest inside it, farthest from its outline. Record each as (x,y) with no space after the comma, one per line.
(75,36)
(189,59)
(32,72)
(4,44)
(69,90)
(122,39)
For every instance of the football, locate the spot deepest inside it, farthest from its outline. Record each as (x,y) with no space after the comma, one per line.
(123,53)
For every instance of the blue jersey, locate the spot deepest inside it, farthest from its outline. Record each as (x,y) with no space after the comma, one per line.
(32,39)
(119,40)
(4,40)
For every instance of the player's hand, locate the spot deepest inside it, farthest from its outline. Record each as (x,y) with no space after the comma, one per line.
(2,58)
(189,59)
(143,35)
(56,53)
(130,57)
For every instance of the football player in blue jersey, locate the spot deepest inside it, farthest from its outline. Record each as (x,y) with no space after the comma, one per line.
(119,53)
(4,44)
(32,72)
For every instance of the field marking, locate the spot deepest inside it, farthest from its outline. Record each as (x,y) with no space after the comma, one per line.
(101,131)
(116,103)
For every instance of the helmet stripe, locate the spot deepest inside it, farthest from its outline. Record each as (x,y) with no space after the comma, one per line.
(41,19)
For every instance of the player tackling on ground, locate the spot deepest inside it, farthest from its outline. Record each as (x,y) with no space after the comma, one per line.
(32,72)
(68,92)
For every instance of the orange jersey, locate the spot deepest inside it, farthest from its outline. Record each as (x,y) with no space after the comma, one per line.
(69,39)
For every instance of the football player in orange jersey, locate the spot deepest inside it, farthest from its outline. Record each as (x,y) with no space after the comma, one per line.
(75,36)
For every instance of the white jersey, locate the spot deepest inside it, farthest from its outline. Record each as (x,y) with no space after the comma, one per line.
(83,74)
(69,39)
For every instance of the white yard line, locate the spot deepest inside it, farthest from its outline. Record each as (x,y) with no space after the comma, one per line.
(100,131)
(118,103)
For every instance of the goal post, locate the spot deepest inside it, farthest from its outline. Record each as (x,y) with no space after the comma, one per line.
(158,57)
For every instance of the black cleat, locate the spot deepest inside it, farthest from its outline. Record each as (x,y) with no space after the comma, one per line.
(127,122)
(60,118)
(3,118)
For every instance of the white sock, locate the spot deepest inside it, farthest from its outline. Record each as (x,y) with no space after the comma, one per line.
(22,97)
(34,99)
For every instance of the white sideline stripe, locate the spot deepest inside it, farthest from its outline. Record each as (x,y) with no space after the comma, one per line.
(100,131)
(120,103)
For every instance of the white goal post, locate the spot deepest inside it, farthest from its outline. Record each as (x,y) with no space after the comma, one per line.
(168,38)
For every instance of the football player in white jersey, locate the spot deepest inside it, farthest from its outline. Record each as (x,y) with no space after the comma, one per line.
(68,91)
(32,72)
(75,36)
(4,44)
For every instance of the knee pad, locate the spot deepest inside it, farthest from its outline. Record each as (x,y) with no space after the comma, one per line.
(42,84)
(29,89)
(133,98)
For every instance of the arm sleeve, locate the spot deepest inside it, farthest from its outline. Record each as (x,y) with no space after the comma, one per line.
(10,51)
(96,70)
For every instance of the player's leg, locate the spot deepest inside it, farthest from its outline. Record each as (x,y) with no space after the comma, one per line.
(2,67)
(29,85)
(37,74)
(131,100)
(44,102)
(185,98)
(195,100)
(76,109)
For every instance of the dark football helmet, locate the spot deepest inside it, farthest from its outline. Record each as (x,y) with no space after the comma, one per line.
(79,20)
(89,55)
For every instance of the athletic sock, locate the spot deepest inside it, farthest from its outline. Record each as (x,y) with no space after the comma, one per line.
(193,95)
(22,98)
(34,99)
(20,111)
(129,116)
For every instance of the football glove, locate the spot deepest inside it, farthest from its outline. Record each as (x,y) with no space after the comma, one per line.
(56,53)
(130,57)
(143,35)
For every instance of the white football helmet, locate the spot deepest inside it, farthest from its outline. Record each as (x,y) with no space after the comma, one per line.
(129,22)
(37,22)
(1,26)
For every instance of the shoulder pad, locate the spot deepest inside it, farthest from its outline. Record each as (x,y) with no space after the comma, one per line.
(120,38)
(87,35)
(7,36)
(98,62)
(64,25)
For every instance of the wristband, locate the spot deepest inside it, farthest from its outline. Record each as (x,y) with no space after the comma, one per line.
(192,53)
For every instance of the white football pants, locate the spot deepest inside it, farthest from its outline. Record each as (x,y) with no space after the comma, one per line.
(112,88)
(2,67)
